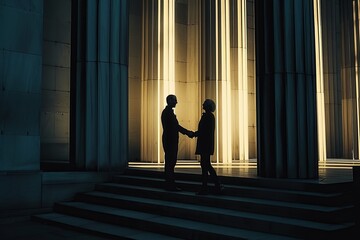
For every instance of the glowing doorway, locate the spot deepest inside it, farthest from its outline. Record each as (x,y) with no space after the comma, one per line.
(195,50)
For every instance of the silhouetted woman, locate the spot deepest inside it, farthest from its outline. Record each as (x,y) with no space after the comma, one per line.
(205,146)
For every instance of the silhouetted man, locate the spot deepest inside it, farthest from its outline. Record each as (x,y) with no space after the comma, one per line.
(170,140)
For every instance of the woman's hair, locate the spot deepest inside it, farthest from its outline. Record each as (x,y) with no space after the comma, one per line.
(209,105)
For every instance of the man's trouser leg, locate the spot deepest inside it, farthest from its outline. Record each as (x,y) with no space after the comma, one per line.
(170,162)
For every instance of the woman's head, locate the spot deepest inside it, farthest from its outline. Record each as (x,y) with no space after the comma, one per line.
(209,105)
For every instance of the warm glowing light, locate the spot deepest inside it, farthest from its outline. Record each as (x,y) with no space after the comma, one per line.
(319,84)
(229,60)
(159,84)
(356,9)
(230,91)
(225,80)
(228,130)
(158,73)
(242,80)
(166,59)
(217,80)
(330,164)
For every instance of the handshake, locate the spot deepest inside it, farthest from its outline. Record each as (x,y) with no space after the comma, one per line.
(191,134)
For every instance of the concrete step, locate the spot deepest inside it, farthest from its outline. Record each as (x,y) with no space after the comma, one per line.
(308,185)
(247,209)
(252,205)
(172,226)
(98,228)
(299,196)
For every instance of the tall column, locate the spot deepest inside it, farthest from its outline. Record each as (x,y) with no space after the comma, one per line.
(101,85)
(286,89)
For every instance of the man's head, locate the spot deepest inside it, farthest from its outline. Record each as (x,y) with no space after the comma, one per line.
(171,100)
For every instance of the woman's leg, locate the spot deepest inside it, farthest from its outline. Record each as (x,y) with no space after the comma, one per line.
(204,163)
(213,174)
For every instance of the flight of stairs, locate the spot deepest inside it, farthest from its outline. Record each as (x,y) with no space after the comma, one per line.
(136,206)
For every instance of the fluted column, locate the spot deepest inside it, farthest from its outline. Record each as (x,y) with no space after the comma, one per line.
(101,88)
(286,89)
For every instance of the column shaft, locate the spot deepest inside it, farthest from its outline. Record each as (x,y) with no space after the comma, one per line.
(286,89)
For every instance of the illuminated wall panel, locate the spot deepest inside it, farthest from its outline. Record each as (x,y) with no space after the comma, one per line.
(55,108)
(340,37)
(158,73)
(356,24)
(250,12)
(225,76)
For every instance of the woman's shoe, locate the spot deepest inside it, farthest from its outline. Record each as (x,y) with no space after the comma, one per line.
(219,190)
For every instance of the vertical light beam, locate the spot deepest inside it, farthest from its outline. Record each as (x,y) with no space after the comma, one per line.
(319,83)
(356,10)
(242,80)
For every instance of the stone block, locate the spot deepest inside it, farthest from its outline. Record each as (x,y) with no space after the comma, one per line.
(251,68)
(56,54)
(63,79)
(21,30)
(62,123)
(134,67)
(57,21)
(55,101)
(18,113)
(25,5)
(61,186)
(181,12)
(181,42)
(21,72)
(55,151)
(20,191)
(48,77)
(18,153)
(47,123)
(181,72)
